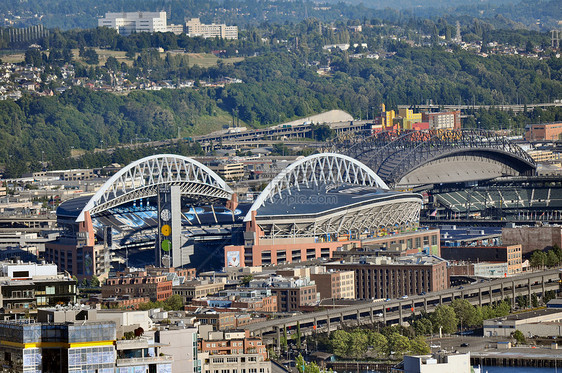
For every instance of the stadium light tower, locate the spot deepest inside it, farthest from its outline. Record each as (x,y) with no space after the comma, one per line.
(168,245)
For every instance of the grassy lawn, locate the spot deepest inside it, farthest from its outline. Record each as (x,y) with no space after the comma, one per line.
(204,59)
(208,124)
(201,59)
(12,58)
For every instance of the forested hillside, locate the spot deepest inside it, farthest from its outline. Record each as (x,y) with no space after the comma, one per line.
(277,87)
(69,14)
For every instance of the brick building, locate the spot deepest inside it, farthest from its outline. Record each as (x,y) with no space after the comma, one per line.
(254,300)
(197,289)
(544,131)
(533,238)
(138,284)
(292,294)
(392,278)
(232,342)
(511,255)
(335,284)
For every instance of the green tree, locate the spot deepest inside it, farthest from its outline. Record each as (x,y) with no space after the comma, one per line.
(95,282)
(398,344)
(466,313)
(538,259)
(246,279)
(522,301)
(519,337)
(304,367)
(419,346)
(423,326)
(322,132)
(174,303)
(552,260)
(503,308)
(284,341)
(548,296)
(358,343)
(379,343)
(298,335)
(444,317)
(534,301)
(340,343)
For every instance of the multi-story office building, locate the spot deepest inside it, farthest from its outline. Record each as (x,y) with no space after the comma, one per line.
(443,120)
(72,346)
(218,320)
(75,251)
(251,300)
(181,344)
(292,294)
(138,284)
(408,118)
(231,343)
(127,23)
(194,27)
(382,278)
(509,255)
(197,289)
(229,171)
(26,286)
(335,284)
(543,131)
(141,355)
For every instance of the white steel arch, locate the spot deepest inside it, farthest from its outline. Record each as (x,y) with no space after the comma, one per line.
(142,178)
(315,169)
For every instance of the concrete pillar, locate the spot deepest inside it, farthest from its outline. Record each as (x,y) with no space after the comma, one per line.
(512,293)
(425,304)
(480,297)
(371,311)
(384,314)
(543,286)
(315,329)
(502,290)
(491,294)
(358,318)
(328,323)
(341,318)
(529,292)
(278,339)
(400,314)
(441,299)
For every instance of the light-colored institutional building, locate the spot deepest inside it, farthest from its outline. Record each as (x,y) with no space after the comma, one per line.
(194,27)
(127,23)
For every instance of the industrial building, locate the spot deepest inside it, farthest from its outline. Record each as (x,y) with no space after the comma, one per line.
(543,323)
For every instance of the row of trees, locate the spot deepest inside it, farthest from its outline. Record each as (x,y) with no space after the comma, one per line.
(359,343)
(460,313)
(549,258)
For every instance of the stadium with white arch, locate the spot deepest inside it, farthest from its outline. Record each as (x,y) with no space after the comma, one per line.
(325,200)
(314,207)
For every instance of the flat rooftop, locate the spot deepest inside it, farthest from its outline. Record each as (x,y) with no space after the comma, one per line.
(528,315)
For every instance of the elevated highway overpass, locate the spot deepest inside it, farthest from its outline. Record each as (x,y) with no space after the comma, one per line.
(397,310)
